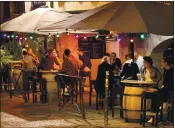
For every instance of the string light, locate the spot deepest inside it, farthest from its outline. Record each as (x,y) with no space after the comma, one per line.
(96,36)
(142,36)
(5,35)
(8,36)
(67,33)
(31,37)
(20,38)
(25,38)
(57,35)
(12,36)
(85,37)
(131,40)
(49,35)
(76,36)
(17,36)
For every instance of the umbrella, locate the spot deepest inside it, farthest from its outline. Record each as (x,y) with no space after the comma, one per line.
(31,21)
(133,17)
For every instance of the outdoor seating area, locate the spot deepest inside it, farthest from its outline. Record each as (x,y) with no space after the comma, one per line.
(111,65)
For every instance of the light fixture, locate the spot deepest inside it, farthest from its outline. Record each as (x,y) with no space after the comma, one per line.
(131,40)
(31,37)
(57,35)
(12,36)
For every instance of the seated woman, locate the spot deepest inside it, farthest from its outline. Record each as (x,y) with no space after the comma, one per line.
(150,73)
(101,75)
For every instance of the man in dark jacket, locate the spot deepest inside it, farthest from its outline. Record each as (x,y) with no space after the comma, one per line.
(115,62)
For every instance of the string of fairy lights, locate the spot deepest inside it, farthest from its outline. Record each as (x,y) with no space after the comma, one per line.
(142,36)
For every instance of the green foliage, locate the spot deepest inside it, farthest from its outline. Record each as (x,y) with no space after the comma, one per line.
(9,51)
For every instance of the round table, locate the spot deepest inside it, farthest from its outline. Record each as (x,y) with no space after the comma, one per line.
(132,98)
(51,84)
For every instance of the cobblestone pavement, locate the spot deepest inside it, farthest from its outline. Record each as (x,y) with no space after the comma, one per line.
(17,114)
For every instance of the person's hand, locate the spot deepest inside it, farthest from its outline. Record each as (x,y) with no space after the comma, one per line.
(138,75)
(57,67)
(86,69)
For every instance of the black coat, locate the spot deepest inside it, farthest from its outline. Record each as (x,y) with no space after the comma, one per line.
(130,71)
(101,76)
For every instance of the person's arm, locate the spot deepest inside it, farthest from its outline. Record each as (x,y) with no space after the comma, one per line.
(159,76)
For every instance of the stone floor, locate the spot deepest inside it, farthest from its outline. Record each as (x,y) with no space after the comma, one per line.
(17,114)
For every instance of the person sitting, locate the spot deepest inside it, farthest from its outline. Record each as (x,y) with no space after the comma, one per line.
(85,68)
(50,62)
(70,67)
(101,75)
(150,73)
(168,79)
(70,64)
(130,69)
(35,58)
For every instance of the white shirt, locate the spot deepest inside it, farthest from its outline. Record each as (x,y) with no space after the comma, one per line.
(139,62)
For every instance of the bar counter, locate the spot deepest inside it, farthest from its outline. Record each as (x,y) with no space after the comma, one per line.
(51,84)
(132,98)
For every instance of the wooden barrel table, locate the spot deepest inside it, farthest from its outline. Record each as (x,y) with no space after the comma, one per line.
(51,85)
(132,99)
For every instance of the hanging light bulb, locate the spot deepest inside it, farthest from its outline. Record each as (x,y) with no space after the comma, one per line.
(131,40)
(57,35)
(8,36)
(4,35)
(20,38)
(12,36)
(85,37)
(25,38)
(96,36)
(16,36)
(142,36)
(31,37)
(49,35)
(67,33)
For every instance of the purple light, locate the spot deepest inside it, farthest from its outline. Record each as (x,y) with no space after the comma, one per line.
(20,38)
(76,36)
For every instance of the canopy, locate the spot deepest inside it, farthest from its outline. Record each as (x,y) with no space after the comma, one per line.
(133,17)
(31,21)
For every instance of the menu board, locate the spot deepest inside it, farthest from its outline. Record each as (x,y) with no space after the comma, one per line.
(95,48)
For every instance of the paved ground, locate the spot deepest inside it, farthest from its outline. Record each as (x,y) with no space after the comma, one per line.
(17,114)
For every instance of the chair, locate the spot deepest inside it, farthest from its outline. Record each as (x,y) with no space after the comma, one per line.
(42,89)
(144,112)
(116,94)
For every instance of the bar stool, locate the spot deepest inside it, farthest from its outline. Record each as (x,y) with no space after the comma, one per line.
(42,90)
(117,91)
(154,115)
(100,100)
(170,116)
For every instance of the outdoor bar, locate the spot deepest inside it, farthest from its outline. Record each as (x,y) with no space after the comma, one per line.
(87,64)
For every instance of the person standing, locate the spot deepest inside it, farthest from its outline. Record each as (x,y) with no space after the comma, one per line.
(139,61)
(130,69)
(115,62)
